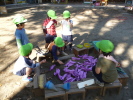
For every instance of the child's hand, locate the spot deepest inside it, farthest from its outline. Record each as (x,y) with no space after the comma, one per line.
(43,61)
(119,65)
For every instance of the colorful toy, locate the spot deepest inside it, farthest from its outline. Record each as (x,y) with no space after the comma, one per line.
(79,46)
(66,86)
(50,85)
(87,45)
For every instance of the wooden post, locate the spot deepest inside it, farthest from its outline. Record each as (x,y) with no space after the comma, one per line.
(66,57)
(35,82)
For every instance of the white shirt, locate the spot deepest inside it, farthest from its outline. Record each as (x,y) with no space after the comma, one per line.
(66,29)
(21,63)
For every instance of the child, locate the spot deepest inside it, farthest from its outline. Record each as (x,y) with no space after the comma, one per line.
(67,25)
(20,34)
(53,48)
(105,70)
(49,26)
(106,2)
(94,2)
(24,66)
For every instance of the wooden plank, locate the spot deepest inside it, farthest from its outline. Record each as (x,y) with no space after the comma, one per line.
(35,82)
(52,91)
(66,57)
(115,84)
(94,86)
(80,51)
(75,90)
(41,81)
(37,73)
(54,94)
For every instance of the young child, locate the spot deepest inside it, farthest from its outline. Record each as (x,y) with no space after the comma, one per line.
(94,2)
(105,70)
(49,27)
(20,34)
(67,25)
(24,66)
(53,48)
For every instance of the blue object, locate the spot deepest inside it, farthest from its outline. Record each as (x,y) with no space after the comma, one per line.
(27,79)
(50,85)
(94,44)
(66,86)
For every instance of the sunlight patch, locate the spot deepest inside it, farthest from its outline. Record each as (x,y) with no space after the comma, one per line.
(120,48)
(125,63)
(130,52)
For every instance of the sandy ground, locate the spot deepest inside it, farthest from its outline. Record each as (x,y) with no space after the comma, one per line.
(89,24)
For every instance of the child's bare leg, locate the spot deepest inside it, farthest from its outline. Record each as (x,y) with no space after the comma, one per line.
(28,71)
(58,53)
(46,45)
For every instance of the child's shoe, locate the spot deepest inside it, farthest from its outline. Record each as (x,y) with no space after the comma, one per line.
(27,79)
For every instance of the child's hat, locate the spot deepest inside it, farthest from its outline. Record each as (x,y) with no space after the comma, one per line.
(51,14)
(105,46)
(59,42)
(66,14)
(19,19)
(25,49)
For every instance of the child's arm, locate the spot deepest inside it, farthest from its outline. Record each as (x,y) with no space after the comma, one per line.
(61,25)
(19,43)
(55,23)
(43,61)
(70,23)
(18,38)
(34,65)
(44,28)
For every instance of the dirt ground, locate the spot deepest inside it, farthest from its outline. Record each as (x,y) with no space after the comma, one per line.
(90,24)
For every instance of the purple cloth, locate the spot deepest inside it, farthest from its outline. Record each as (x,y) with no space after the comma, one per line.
(68,70)
(70,79)
(57,72)
(75,58)
(80,70)
(70,63)
(52,67)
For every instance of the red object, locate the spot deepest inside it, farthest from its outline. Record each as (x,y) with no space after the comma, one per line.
(119,65)
(51,30)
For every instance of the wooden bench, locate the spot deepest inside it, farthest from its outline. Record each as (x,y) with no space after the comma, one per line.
(74,90)
(93,86)
(115,84)
(51,93)
(80,51)
(123,77)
